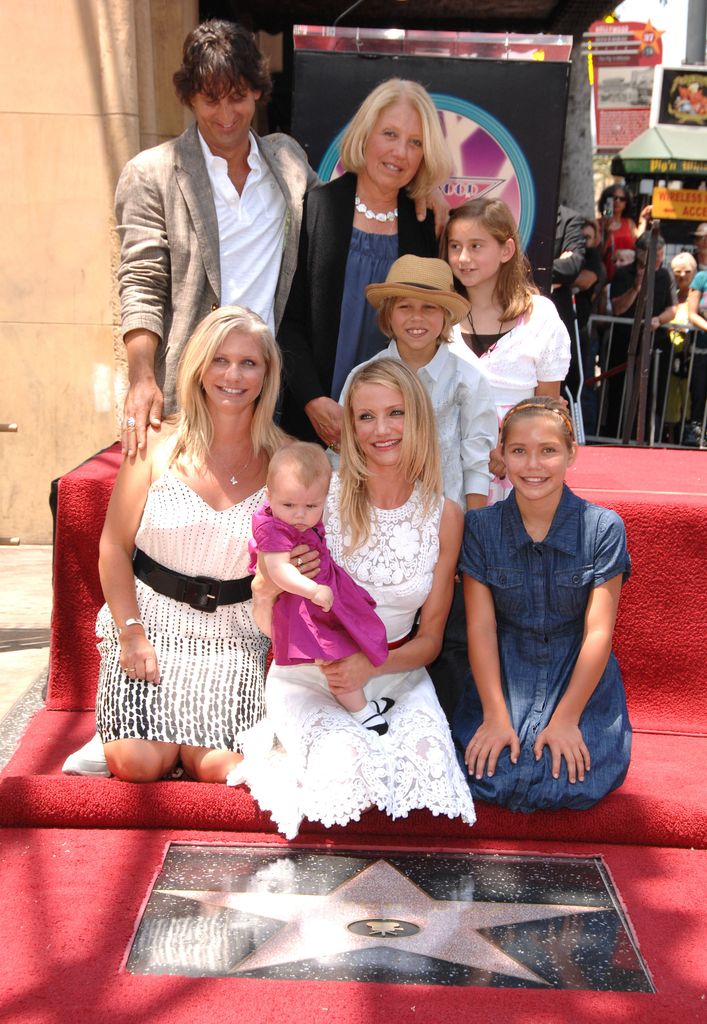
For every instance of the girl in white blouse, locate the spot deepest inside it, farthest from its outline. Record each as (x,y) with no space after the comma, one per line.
(522,346)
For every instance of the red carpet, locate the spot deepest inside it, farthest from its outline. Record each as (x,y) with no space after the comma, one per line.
(71,899)
(660,640)
(75,882)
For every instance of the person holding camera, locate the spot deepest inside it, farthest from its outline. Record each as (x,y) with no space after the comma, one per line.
(619,231)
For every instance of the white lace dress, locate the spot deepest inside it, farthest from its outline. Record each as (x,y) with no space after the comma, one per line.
(537,348)
(212,664)
(323,765)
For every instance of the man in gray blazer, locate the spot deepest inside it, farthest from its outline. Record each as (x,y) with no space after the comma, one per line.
(210,218)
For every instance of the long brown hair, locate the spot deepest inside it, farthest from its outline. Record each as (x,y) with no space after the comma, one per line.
(515,287)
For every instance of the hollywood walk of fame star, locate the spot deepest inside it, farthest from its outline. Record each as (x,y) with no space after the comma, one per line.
(316,926)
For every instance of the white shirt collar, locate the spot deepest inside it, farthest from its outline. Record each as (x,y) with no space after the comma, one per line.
(217,164)
(436,365)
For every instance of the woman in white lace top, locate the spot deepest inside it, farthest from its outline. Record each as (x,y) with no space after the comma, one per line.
(389,526)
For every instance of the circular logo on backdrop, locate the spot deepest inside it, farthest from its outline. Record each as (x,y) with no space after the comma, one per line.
(487,161)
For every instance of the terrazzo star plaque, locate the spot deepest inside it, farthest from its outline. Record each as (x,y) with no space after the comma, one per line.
(393,917)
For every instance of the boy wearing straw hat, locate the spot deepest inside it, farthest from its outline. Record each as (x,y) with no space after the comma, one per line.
(417,308)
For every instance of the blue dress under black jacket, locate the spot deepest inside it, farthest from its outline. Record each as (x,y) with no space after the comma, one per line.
(540,592)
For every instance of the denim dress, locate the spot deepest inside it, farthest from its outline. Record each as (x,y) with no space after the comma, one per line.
(540,593)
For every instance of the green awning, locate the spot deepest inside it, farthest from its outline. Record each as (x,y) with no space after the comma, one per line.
(664,150)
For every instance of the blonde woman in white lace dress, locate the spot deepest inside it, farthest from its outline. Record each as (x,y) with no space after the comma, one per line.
(389,526)
(514,336)
(182,661)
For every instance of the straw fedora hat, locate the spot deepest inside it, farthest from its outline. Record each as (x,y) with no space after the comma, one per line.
(420,278)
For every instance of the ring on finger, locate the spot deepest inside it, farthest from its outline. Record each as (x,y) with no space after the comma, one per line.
(130,423)
(299,561)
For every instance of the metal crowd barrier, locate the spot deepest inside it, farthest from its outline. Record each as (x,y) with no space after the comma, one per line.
(595,323)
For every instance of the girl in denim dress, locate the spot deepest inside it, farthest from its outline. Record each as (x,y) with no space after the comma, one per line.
(543,722)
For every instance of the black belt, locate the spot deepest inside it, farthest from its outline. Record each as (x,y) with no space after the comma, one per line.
(200,592)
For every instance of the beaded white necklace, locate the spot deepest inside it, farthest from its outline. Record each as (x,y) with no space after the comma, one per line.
(370,215)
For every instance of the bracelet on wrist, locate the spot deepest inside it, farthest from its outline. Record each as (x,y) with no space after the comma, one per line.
(131,622)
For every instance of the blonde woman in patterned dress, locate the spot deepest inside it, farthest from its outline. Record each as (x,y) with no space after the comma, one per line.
(392,530)
(182,661)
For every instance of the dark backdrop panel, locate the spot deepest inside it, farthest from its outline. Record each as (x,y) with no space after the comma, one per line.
(504,121)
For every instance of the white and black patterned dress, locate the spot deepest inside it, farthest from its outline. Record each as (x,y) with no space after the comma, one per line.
(211,664)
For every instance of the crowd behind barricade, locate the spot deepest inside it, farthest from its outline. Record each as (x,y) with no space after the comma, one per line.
(605,289)
(362,468)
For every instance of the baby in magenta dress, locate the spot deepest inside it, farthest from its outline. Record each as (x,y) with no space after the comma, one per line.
(322,619)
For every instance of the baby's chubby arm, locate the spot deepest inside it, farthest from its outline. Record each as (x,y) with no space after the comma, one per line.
(287,577)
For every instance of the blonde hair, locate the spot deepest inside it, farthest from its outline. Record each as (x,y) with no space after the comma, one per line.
(540,405)
(684,261)
(436,163)
(385,313)
(419,452)
(307,461)
(515,287)
(195,429)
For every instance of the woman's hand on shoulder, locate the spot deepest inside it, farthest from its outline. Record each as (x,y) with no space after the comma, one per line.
(347,674)
(156,449)
(436,202)
(484,748)
(497,464)
(325,415)
(564,740)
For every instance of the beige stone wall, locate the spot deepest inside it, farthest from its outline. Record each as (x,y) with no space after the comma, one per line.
(84,84)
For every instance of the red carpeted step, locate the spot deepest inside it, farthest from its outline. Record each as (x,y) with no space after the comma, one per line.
(662,802)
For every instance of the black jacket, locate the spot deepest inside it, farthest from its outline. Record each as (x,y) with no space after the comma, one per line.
(310,325)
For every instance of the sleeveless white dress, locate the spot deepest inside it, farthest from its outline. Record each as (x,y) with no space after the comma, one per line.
(309,758)
(212,664)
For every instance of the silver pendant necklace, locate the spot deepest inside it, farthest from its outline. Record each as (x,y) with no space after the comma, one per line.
(370,215)
(233,478)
